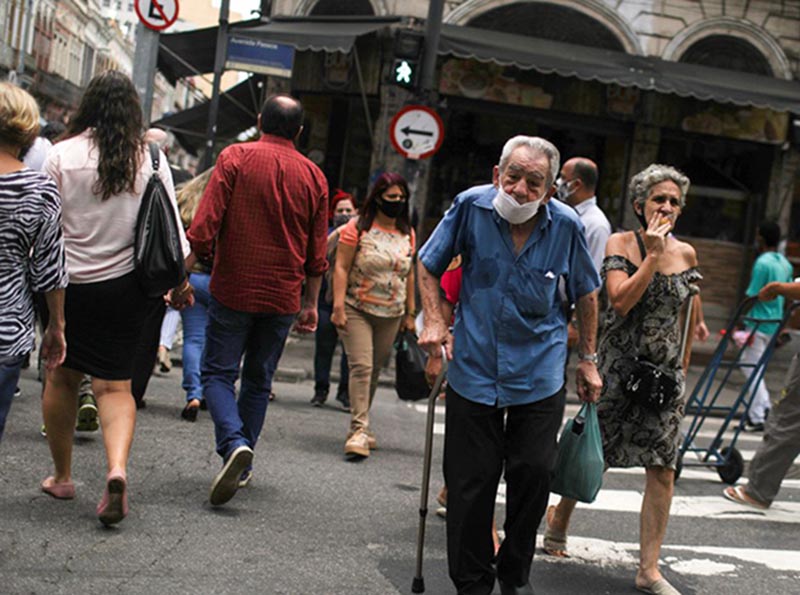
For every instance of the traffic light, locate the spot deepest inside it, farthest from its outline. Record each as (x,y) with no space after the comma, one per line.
(407,54)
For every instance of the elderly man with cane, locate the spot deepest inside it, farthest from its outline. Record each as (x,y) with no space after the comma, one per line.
(505,396)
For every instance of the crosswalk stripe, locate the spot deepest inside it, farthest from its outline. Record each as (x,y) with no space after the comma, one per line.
(696,473)
(586,549)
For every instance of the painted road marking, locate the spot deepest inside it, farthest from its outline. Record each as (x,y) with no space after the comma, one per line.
(601,551)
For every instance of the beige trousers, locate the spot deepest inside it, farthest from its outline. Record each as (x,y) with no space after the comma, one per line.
(368,343)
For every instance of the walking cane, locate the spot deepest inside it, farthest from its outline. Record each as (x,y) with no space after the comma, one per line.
(418,584)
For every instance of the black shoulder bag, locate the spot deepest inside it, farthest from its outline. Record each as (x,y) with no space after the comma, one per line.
(158,256)
(646,384)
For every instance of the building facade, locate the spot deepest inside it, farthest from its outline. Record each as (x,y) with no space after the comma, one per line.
(740,152)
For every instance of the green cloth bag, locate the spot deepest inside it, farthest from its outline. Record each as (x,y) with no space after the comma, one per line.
(580,466)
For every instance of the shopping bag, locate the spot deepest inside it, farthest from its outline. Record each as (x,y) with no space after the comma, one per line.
(410,359)
(579,468)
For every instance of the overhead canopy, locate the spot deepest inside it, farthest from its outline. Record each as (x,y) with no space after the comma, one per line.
(238,109)
(607,66)
(193,52)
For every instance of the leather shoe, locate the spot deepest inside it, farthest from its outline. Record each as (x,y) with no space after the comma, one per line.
(506,589)
(189,413)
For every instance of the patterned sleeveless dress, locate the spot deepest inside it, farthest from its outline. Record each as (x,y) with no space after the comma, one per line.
(634,436)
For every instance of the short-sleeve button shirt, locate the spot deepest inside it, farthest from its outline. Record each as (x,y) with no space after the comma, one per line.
(510,329)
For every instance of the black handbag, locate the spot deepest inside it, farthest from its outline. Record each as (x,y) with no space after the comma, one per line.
(648,385)
(158,256)
(410,360)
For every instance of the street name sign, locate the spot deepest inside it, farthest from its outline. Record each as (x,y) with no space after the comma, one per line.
(263,57)
(416,132)
(156,14)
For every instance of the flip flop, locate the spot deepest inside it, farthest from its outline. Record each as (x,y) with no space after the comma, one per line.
(660,587)
(62,491)
(555,542)
(739,495)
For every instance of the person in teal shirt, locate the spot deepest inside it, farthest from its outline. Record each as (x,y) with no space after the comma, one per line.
(770,266)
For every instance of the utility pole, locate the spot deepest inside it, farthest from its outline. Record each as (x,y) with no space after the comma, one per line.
(433,30)
(145,57)
(219,66)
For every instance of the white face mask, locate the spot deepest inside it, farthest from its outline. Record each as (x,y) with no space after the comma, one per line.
(513,212)
(563,193)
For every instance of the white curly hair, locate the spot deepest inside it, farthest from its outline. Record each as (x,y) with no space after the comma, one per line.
(653,174)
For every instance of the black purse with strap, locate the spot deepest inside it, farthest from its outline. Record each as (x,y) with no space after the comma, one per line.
(646,384)
(158,257)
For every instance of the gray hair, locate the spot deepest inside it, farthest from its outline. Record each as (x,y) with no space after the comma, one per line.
(653,174)
(537,144)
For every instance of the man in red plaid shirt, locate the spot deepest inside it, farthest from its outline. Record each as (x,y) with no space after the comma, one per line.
(264,217)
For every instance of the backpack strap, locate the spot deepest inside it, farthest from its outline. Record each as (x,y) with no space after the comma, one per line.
(154,157)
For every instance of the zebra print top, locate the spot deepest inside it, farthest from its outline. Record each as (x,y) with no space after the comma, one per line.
(31,253)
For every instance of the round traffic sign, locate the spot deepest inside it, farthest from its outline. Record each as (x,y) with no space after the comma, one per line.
(156,14)
(416,131)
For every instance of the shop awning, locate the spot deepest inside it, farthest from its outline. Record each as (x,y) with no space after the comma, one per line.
(607,66)
(192,52)
(238,109)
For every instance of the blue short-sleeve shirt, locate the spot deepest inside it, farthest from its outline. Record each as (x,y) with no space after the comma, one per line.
(510,327)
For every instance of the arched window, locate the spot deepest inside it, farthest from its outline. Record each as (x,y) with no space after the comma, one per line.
(342,7)
(548,21)
(730,53)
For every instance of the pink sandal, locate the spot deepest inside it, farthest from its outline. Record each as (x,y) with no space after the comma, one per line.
(114,505)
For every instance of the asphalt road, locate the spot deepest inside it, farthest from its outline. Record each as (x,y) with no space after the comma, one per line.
(312,523)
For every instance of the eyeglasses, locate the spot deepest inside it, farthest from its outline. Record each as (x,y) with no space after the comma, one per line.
(400,196)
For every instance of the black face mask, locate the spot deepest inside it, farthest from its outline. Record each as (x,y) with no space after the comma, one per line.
(392,208)
(341,219)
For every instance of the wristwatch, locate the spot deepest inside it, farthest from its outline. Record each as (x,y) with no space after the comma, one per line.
(588,357)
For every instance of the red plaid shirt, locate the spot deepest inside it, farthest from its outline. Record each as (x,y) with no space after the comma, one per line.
(265,213)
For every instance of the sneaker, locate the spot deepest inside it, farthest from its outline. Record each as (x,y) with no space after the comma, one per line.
(87,414)
(43,431)
(225,484)
(751,427)
(17,393)
(344,400)
(371,439)
(357,445)
(245,478)
(319,398)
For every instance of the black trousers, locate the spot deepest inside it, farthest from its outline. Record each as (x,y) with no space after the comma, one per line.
(480,441)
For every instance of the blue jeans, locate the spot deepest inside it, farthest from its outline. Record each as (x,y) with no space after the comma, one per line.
(195,320)
(326,339)
(10,368)
(229,335)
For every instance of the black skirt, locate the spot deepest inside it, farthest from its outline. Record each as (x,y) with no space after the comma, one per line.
(103,325)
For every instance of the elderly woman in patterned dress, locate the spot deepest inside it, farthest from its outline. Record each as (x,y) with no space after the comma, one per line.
(647,275)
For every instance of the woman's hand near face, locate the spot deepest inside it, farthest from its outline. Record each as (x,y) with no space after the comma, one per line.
(655,236)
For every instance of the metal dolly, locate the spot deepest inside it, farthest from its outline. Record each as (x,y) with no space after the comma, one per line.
(727,460)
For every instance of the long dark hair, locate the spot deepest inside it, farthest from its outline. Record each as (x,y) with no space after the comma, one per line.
(382,184)
(110,106)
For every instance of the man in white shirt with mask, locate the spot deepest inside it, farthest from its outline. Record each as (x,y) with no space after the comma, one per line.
(576,186)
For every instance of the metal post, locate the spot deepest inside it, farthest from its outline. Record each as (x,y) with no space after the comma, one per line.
(219,66)
(145,58)
(433,29)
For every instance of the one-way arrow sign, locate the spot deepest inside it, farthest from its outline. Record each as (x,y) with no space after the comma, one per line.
(416,132)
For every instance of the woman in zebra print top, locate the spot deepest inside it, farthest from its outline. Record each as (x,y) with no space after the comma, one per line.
(31,246)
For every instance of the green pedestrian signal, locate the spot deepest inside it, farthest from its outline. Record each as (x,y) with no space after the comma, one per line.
(403,72)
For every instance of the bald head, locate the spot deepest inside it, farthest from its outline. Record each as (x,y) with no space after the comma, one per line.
(282,115)
(581,173)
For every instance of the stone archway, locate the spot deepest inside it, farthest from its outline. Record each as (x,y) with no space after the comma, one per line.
(743,31)
(341,7)
(606,22)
